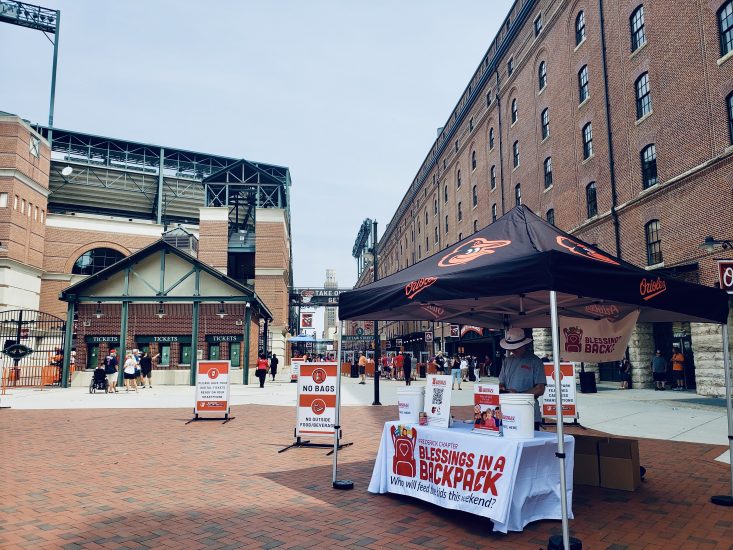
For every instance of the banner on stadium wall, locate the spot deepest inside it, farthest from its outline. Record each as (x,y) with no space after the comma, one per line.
(316,404)
(596,341)
(567,385)
(212,387)
(306,320)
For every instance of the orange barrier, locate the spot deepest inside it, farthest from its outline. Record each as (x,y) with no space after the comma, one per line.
(30,376)
(345,369)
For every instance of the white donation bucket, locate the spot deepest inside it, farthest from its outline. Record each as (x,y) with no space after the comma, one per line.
(410,402)
(517,411)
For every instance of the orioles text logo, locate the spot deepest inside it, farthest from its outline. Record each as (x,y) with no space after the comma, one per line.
(413,288)
(581,250)
(650,289)
(469,251)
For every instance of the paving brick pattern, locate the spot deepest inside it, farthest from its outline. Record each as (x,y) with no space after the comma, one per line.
(143,479)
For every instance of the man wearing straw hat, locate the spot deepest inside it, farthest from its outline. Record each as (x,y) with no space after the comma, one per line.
(523,372)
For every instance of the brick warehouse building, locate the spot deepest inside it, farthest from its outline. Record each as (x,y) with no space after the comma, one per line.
(69,212)
(560,81)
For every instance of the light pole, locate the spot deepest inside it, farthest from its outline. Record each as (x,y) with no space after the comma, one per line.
(375,265)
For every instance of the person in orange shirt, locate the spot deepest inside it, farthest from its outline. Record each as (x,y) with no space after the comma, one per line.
(678,368)
(362,367)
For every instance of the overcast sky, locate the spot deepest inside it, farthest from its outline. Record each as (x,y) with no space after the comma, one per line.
(347,94)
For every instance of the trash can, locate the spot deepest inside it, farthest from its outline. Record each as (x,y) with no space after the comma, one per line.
(587,382)
(354,370)
(423,370)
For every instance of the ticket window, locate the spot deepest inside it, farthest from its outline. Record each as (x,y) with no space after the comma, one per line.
(234,354)
(92,356)
(214,351)
(186,354)
(165,355)
(144,348)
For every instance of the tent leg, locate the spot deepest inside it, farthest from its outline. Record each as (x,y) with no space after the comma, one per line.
(558,409)
(343,484)
(727,500)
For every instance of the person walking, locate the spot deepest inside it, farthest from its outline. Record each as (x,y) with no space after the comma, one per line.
(273,366)
(407,369)
(523,371)
(659,371)
(130,367)
(146,368)
(261,370)
(464,368)
(362,367)
(399,364)
(455,372)
(110,369)
(678,368)
(625,368)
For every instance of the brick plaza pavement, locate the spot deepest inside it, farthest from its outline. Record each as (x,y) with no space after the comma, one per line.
(140,478)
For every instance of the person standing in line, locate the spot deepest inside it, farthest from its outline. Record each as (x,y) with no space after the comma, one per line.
(146,368)
(523,371)
(362,367)
(399,364)
(273,366)
(261,370)
(130,368)
(659,371)
(625,369)
(407,369)
(464,368)
(678,368)
(110,369)
(476,369)
(455,372)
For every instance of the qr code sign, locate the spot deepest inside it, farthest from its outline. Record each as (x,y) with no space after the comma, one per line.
(438,396)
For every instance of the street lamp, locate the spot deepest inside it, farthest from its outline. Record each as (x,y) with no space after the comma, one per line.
(710,244)
(375,257)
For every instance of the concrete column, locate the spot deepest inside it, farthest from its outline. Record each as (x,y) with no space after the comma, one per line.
(641,350)
(707,345)
(542,341)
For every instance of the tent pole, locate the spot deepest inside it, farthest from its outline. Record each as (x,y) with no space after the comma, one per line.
(727,500)
(338,483)
(559,422)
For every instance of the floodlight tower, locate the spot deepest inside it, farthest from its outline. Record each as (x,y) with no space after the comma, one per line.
(41,19)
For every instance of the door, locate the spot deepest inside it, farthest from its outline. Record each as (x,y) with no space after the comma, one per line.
(234,354)
(214,351)
(186,354)
(684,342)
(165,355)
(92,356)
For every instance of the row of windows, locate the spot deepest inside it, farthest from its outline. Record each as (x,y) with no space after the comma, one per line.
(38,214)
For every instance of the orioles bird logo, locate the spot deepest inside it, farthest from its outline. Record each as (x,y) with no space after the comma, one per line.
(469,251)
(581,250)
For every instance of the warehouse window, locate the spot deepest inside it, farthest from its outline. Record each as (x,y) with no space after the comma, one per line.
(473,160)
(542,76)
(538,25)
(545,123)
(3,200)
(579,28)
(435,206)
(446,223)
(730,116)
(475,226)
(458,179)
(436,235)
(493,177)
(653,243)
(587,141)
(591,200)
(445,194)
(94,261)
(649,166)
(474,196)
(518,195)
(34,146)
(550,216)
(725,26)
(510,66)
(515,111)
(491,139)
(638,36)
(548,172)
(515,154)
(493,212)
(583,91)
(643,96)
(460,211)
(488,98)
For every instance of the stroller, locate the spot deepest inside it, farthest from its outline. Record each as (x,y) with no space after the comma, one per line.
(99,381)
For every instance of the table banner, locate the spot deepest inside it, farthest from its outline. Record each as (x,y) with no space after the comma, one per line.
(567,383)
(448,469)
(316,404)
(437,399)
(212,386)
(486,411)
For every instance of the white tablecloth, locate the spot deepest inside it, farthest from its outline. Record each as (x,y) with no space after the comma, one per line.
(518,479)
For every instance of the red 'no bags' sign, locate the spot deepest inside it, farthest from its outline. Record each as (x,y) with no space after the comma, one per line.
(212,386)
(317,386)
(725,273)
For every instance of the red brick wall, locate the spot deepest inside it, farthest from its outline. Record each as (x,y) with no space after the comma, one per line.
(213,244)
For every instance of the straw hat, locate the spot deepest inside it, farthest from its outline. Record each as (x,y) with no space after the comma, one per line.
(514,339)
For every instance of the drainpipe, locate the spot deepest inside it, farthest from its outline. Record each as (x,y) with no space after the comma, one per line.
(611,164)
(501,148)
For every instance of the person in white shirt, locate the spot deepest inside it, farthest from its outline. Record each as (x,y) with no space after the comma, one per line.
(130,367)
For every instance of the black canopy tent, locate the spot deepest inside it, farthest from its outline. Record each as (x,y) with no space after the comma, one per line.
(521,271)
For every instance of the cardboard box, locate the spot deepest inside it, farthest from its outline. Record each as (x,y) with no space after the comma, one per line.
(586,469)
(619,463)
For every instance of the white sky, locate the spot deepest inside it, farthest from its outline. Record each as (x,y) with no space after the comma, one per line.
(347,94)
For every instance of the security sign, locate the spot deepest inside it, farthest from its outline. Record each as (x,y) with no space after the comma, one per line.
(212,387)
(316,412)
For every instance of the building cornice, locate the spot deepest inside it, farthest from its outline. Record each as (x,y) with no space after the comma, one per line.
(25,180)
